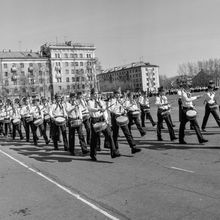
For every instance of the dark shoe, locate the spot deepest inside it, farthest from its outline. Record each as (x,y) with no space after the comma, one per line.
(203,129)
(65,148)
(143,134)
(115,154)
(22,138)
(143,126)
(35,143)
(173,126)
(85,151)
(182,142)
(93,157)
(99,148)
(154,124)
(160,139)
(135,150)
(174,138)
(47,142)
(72,153)
(203,141)
(37,138)
(162,127)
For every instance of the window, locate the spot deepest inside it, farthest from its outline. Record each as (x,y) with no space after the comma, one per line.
(6,74)
(68,87)
(66,64)
(83,79)
(83,86)
(60,87)
(76,64)
(67,71)
(71,55)
(73,79)
(30,64)
(81,55)
(72,71)
(81,63)
(77,79)
(77,71)
(65,55)
(73,86)
(39,65)
(75,55)
(21,65)
(72,63)
(67,79)
(82,70)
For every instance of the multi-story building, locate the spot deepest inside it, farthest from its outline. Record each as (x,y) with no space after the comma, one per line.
(73,66)
(135,77)
(24,73)
(59,67)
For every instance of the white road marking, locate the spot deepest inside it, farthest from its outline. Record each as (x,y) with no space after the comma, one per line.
(77,196)
(176,168)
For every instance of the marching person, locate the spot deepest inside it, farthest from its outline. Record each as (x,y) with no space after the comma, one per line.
(210,107)
(98,113)
(28,119)
(187,102)
(8,113)
(38,115)
(45,108)
(16,115)
(163,114)
(74,112)
(58,110)
(133,113)
(85,115)
(145,109)
(116,109)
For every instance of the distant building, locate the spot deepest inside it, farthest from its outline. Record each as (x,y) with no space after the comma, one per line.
(58,67)
(24,73)
(72,66)
(135,77)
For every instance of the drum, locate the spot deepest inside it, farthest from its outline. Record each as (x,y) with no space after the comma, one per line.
(100,126)
(29,119)
(86,116)
(191,114)
(122,121)
(47,117)
(38,122)
(74,123)
(145,108)
(7,120)
(165,113)
(135,113)
(213,106)
(16,121)
(60,121)
(1,120)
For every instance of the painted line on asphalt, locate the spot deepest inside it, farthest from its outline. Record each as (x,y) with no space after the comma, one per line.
(77,196)
(176,168)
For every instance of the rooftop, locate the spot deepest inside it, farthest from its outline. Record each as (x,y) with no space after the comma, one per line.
(128,66)
(68,44)
(19,55)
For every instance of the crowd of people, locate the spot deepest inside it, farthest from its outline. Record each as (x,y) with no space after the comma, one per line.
(66,117)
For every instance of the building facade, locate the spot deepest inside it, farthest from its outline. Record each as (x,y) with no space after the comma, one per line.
(58,67)
(24,73)
(73,66)
(137,76)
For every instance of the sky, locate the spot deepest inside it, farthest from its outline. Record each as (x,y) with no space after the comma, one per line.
(166,33)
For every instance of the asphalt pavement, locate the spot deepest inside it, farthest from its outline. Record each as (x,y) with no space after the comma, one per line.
(165,180)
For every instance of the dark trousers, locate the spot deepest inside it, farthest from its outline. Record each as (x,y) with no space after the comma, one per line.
(136,120)
(180,109)
(214,112)
(166,118)
(17,128)
(55,135)
(95,136)
(87,126)
(7,128)
(42,131)
(27,126)
(147,115)
(125,130)
(82,141)
(194,124)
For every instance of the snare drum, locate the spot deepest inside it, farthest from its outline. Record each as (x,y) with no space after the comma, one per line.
(213,106)
(16,121)
(145,108)
(191,114)
(47,117)
(60,121)
(100,126)
(29,119)
(135,113)
(7,120)
(122,121)
(38,122)
(75,123)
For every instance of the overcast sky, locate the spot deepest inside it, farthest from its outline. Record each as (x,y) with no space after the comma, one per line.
(162,32)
